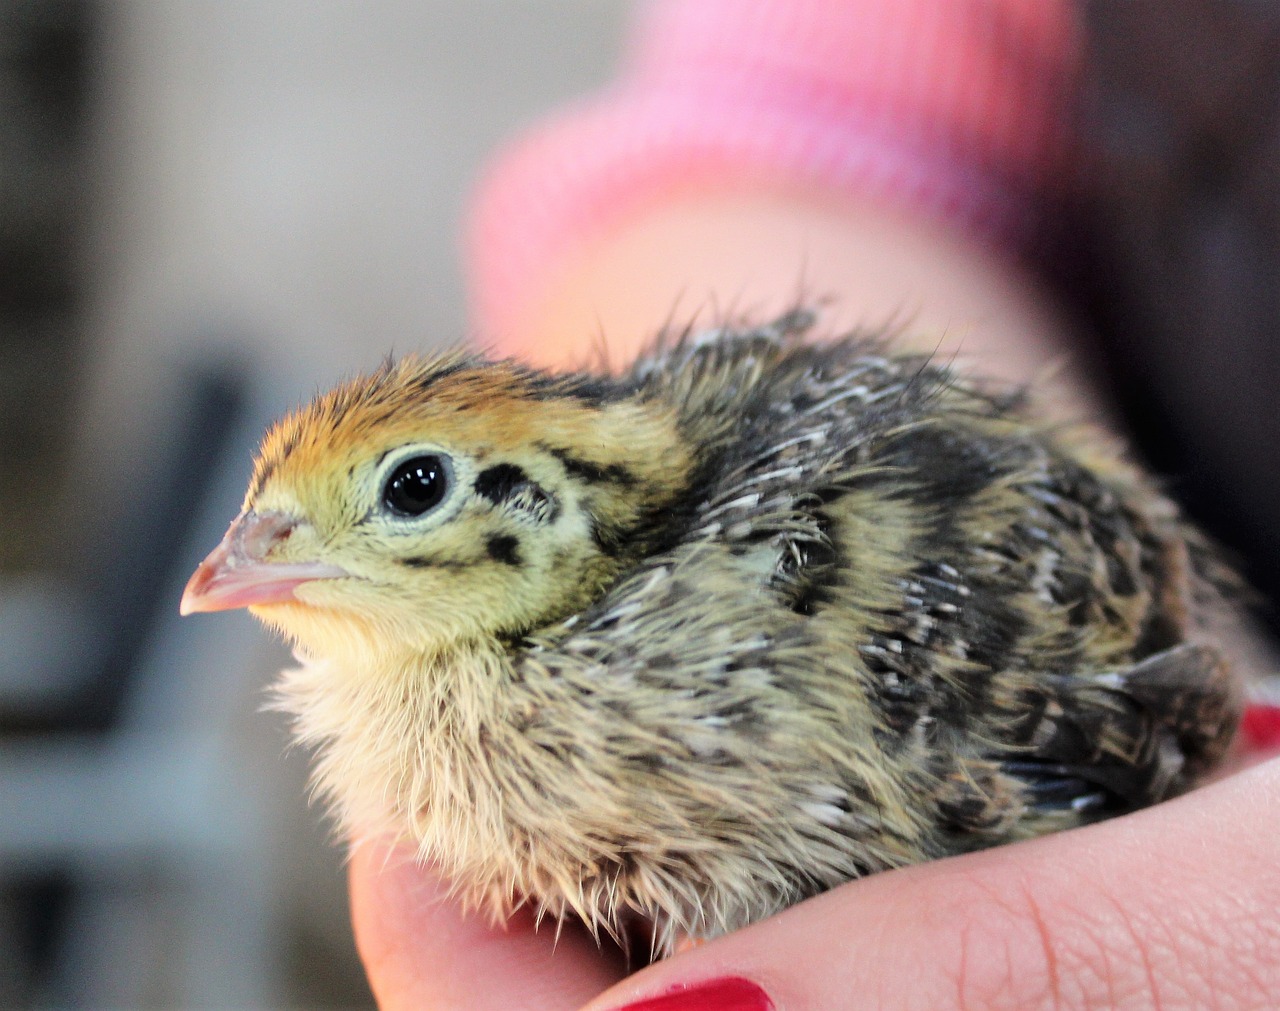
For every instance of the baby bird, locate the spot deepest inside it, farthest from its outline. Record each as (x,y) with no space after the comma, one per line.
(692,643)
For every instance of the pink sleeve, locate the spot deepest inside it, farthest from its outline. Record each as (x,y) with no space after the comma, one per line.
(956,109)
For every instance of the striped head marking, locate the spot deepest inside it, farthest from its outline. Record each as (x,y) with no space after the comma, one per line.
(440,499)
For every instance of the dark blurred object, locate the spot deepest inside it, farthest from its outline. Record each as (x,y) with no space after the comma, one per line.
(119,794)
(1183,259)
(73,646)
(45,88)
(144,860)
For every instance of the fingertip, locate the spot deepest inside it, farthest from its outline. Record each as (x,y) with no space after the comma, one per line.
(422,951)
(393,901)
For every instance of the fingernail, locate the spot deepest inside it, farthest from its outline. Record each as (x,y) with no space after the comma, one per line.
(1261,726)
(730,994)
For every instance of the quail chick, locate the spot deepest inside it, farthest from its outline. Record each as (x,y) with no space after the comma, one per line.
(695,642)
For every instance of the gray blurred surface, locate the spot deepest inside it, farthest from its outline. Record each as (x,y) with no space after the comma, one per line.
(293,174)
(278,184)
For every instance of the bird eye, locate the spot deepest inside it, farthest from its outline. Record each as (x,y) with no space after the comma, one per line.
(416,486)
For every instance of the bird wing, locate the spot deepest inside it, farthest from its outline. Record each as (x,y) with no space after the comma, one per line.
(1013,619)
(1130,736)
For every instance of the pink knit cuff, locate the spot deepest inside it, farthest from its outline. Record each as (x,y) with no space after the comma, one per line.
(958,110)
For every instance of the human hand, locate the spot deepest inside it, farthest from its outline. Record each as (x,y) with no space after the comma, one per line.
(1177,906)
(422,952)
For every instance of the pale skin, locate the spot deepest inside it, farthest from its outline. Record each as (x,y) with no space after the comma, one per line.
(1173,907)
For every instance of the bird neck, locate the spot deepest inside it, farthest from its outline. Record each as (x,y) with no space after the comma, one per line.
(624,460)
(386,723)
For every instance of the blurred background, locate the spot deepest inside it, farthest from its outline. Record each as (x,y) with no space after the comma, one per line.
(208,209)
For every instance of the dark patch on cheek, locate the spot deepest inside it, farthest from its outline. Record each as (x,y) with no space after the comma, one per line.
(499,482)
(504,548)
(507,485)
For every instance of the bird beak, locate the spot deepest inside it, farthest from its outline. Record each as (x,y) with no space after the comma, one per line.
(238,574)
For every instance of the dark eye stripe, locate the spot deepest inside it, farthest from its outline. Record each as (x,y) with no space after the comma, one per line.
(593,473)
(432,562)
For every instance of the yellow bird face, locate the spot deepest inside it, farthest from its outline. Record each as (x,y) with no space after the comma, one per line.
(441,500)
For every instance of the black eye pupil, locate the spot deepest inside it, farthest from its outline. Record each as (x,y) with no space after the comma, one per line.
(416,486)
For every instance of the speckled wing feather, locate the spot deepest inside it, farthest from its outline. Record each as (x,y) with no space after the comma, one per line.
(890,602)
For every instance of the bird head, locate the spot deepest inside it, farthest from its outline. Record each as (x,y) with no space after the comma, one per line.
(443,500)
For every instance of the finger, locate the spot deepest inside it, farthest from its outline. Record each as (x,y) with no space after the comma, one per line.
(422,952)
(1177,906)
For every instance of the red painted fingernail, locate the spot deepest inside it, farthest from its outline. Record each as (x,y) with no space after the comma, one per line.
(730,994)
(1261,727)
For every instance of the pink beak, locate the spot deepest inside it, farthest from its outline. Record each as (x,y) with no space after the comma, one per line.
(237,573)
